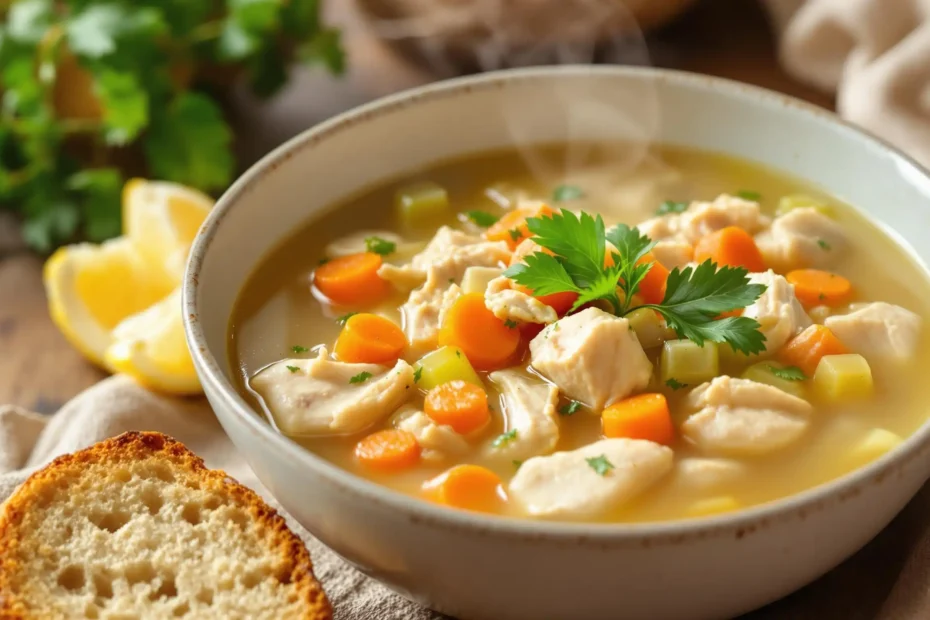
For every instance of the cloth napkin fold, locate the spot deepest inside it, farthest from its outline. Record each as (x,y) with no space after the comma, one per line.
(888,580)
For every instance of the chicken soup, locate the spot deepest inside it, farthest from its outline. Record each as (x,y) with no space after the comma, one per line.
(693,336)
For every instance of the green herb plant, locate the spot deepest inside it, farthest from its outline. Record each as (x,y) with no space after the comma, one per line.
(95,90)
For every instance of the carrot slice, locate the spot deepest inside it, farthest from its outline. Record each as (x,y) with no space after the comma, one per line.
(807,348)
(370,339)
(560,302)
(512,226)
(461,405)
(470,487)
(731,246)
(487,342)
(730,313)
(814,287)
(652,288)
(388,450)
(645,416)
(351,279)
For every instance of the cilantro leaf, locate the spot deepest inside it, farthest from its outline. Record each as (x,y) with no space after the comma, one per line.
(675,384)
(504,438)
(788,373)
(125,106)
(361,377)
(379,245)
(578,241)
(345,317)
(670,206)
(600,464)
(563,193)
(747,194)
(570,408)
(482,218)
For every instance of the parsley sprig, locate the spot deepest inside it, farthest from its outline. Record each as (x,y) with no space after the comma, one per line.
(694,297)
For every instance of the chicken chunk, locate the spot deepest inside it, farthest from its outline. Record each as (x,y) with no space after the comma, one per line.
(448,255)
(507,303)
(320,397)
(777,310)
(801,238)
(424,309)
(673,253)
(703,218)
(590,481)
(529,411)
(879,331)
(439,442)
(593,357)
(743,417)
(707,474)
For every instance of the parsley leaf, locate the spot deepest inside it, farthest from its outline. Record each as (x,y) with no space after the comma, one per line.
(675,384)
(517,463)
(631,247)
(670,206)
(299,349)
(379,245)
(125,106)
(361,377)
(570,408)
(600,465)
(293,368)
(563,193)
(504,438)
(823,244)
(482,218)
(788,373)
(578,241)
(515,234)
(543,274)
(510,324)
(747,194)
(417,374)
(345,317)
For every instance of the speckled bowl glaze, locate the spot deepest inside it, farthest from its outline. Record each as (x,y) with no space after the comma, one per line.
(481,567)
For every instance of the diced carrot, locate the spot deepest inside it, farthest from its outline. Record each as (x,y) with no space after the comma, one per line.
(487,342)
(461,405)
(470,487)
(512,226)
(652,288)
(814,287)
(807,348)
(528,331)
(371,339)
(645,416)
(388,450)
(525,248)
(560,302)
(731,313)
(351,279)
(732,247)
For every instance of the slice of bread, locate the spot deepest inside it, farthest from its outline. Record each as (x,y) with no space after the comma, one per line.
(136,527)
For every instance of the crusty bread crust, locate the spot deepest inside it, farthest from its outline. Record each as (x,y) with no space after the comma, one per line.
(186,466)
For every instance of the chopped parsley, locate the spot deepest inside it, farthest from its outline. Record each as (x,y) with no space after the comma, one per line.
(570,408)
(564,193)
(600,465)
(517,463)
(417,374)
(675,384)
(821,296)
(299,349)
(515,234)
(504,438)
(451,280)
(361,377)
(345,317)
(694,296)
(824,245)
(458,353)
(510,323)
(670,206)
(323,261)
(379,245)
(482,218)
(293,368)
(788,373)
(747,194)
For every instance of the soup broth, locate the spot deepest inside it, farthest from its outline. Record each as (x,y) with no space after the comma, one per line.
(280,315)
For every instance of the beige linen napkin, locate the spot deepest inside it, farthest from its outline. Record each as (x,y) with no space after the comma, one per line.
(874,54)
(888,580)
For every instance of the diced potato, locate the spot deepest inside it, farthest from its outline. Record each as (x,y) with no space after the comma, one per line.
(875,443)
(476,279)
(713,506)
(799,201)
(765,372)
(843,377)
(442,366)
(421,204)
(731,358)
(650,328)
(686,362)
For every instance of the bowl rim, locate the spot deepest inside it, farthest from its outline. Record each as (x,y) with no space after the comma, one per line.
(744,521)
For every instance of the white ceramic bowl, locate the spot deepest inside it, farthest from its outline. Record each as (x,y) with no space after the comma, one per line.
(479,567)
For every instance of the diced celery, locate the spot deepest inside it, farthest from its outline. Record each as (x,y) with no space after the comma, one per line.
(442,366)
(687,363)
(476,279)
(713,506)
(876,442)
(420,204)
(650,328)
(843,377)
(800,201)
(763,373)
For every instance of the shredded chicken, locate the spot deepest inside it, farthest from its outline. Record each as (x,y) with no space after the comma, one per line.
(531,420)
(439,442)
(778,311)
(801,238)
(673,253)
(425,308)
(509,304)
(879,331)
(703,218)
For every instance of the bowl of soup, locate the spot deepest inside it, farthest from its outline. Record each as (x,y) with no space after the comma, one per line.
(576,342)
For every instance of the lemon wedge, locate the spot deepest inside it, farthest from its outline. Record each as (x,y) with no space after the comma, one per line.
(162,219)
